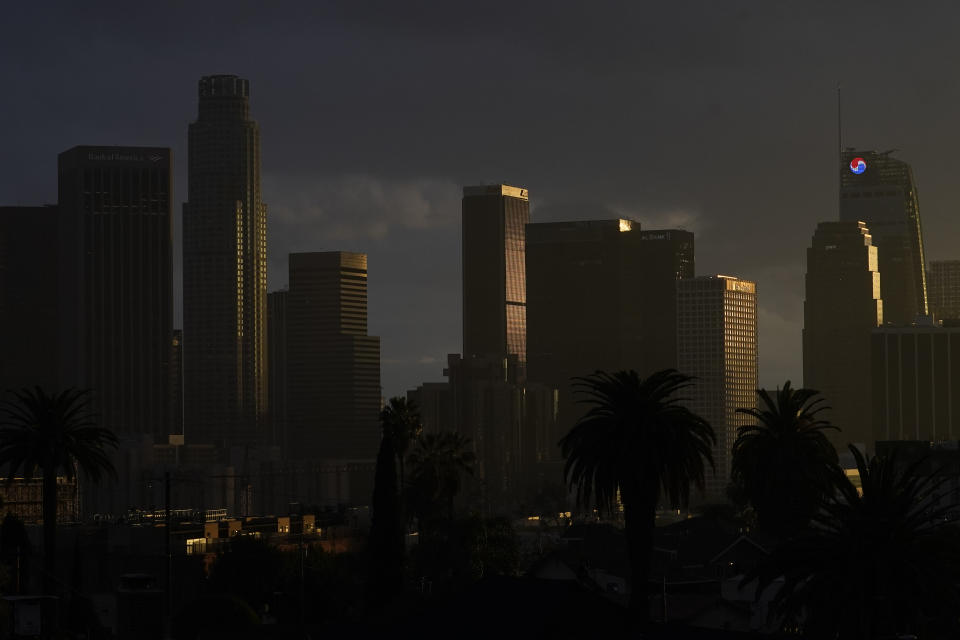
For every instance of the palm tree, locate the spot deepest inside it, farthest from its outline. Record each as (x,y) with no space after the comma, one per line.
(639,442)
(783,463)
(871,566)
(401,419)
(438,463)
(54,433)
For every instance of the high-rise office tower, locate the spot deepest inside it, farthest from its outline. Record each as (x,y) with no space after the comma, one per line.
(333,366)
(601,294)
(880,191)
(29,299)
(116,283)
(176,382)
(494,281)
(943,286)
(224,271)
(841,308)
(277,367)
(717,345)
(915,392)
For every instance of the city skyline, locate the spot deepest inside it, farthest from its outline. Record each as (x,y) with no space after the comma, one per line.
(732,137)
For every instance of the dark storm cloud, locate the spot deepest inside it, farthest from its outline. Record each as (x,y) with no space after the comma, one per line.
(717,117)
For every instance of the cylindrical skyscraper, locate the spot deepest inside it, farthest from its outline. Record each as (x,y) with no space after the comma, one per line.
(224,271)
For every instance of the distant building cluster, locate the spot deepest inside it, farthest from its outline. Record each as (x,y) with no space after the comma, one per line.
(880,329)
(263,399)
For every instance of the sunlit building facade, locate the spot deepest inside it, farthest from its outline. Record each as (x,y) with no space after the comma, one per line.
(884,196)
(116,295)
(224,271)
(842,307)
(717,345)
(494,278)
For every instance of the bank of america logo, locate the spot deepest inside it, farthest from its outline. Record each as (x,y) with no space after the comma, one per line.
(156,158)
(858,165)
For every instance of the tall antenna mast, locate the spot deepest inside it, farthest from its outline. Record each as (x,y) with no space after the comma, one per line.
(839,167)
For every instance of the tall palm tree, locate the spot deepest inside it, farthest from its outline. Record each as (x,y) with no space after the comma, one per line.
(783,463)
(55,433)
(438,462)
(872,566)
(401,420)
(636,440)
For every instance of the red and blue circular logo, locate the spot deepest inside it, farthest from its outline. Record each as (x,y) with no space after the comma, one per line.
(858,165)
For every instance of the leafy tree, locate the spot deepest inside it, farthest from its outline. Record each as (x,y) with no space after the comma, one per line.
(783,464)
(872,566)
(638,442)
(56,433)
(438,463)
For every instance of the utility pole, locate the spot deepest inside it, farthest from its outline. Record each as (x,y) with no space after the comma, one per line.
(166,491)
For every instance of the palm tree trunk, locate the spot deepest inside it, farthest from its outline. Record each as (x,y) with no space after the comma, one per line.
(639,524)
(49,529)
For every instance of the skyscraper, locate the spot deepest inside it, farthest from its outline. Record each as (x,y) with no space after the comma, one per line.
(29,298)
(224,271)
(880,191)
(842,307)
(494,281)
(915,391)
(943,284)
(277,367)
(717,345)
(115,283)
(333,366)
(601,294)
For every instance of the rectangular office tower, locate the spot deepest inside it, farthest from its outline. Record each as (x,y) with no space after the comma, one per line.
(717,345)
(494,282)
(333,366)
(601,295)
(29,298)
(880,191)
(115,282)
(943,285)
(841,308)
(224,271)
(916,395)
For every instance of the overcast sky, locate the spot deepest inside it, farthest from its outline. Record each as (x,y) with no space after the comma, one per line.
(718,117)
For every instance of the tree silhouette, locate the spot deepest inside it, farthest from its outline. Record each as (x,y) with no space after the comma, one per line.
(401,420)
(636,442)
(871,566)
(386,529)
(438,463)
(54,433)
(783,464)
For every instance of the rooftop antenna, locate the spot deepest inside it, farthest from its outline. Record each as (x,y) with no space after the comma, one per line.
(839,148)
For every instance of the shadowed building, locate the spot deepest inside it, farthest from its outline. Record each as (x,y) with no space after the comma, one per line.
(277,367)
(601,295)
(915,372)
(841,308)
(224,271)
(115,283)
(884,196)
(943,283)
(333,366)
(494,280)
(29,311)
(717,345)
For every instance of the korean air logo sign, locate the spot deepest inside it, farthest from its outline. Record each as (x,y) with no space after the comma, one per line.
(858,165)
